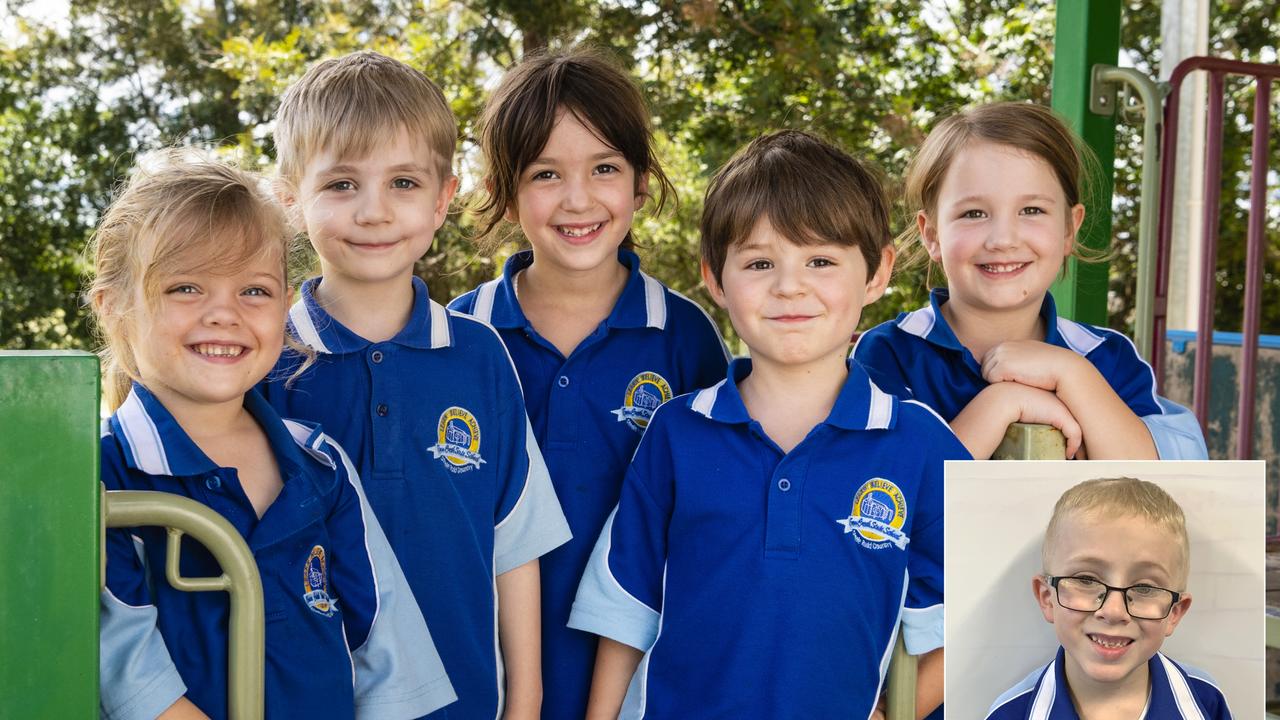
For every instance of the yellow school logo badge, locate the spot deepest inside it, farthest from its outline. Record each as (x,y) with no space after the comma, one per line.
(315,583)
(645,393)
(878,514)
(457,440)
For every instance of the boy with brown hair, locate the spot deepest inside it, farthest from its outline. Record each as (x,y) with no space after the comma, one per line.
(776,529)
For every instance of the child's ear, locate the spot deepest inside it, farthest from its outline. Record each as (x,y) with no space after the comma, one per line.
(1077,219)
(642,190)
(287,195)
(1043,593)
(510,213)
(877,283)
(1176,613)
(447,190)
(713,287)
(929,236)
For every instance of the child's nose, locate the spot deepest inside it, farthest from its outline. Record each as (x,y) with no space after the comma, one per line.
(1113,606)
(1003,234)
(788,280)
(221,312)
(374,209)
(576,195)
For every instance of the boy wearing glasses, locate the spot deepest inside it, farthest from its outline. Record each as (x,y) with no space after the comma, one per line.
(1116,559)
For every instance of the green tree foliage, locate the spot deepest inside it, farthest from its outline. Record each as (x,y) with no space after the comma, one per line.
(82,96)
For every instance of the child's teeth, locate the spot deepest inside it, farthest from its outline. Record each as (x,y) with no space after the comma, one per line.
(579,232)
(218,350)
(1002,268)
(1109,643)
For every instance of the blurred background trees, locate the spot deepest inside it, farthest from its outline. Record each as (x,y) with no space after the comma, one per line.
(82,92)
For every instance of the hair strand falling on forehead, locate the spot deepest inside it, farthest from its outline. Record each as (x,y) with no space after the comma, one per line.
(1023,126)
(180,210)
(523,110)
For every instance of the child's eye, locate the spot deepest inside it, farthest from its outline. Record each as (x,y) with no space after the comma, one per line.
(822,262)
(606,169)
(973,214)
(759,265)
(1143,591)
(257,292)
(1032,210)
(341,185)
(183,289)
(404,183)
(543,175)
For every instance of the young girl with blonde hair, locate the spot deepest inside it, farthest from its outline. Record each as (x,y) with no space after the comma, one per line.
(190,294)
(997,192)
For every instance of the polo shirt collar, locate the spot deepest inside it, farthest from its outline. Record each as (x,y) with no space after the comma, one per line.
(931,325)
(643,302)
(154,442)
(428,327)
(860,405)
(1053,695)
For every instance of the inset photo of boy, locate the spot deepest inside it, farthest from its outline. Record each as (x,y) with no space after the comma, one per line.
(1104,589)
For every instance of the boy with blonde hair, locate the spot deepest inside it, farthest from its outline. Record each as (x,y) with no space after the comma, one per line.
(425,400)
(1116,561)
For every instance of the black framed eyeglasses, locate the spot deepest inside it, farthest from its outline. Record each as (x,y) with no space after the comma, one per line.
(1084,594)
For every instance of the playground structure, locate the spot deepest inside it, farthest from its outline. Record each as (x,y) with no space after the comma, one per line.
(54,513)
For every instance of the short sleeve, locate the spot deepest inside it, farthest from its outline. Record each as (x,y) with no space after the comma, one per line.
(528,521)
(1127,373)
(922,614)
(136,676)
(1176,432)
(875,352)
(620,596)
(398,672)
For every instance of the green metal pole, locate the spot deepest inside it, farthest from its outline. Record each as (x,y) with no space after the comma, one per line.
(1088,33)
(49,534)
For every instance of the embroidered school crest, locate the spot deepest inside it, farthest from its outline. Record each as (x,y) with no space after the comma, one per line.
(458,440)
(878,514)
(315,583)
(645,393)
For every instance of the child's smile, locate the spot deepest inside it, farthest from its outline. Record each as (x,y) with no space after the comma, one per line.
(576,200)
(1001,229)
(1109,645)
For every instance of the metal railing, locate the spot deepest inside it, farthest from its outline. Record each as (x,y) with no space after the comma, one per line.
(246,649)
(1218,69)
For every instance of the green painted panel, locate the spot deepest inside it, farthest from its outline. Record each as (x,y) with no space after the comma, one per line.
(1087,33)
(49,530)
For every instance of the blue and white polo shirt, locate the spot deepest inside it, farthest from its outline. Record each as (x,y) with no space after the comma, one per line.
(1178,692)
(434,419)
(343,635)
(918,355)
(764,584)
(588,412)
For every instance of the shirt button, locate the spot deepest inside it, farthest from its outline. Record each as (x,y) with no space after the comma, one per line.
(784,484)
(376,356)
(213,482)
(563,381)
(382,410)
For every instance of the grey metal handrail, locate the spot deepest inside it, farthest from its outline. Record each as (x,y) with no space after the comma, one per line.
(1104,100)
(246,648)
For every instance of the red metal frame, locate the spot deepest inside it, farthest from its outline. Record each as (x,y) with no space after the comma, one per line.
(1218,69)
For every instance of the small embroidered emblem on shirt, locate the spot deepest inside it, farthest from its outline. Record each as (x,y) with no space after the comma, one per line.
(458,440)
(645,393)
(878,514)
(315,584)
